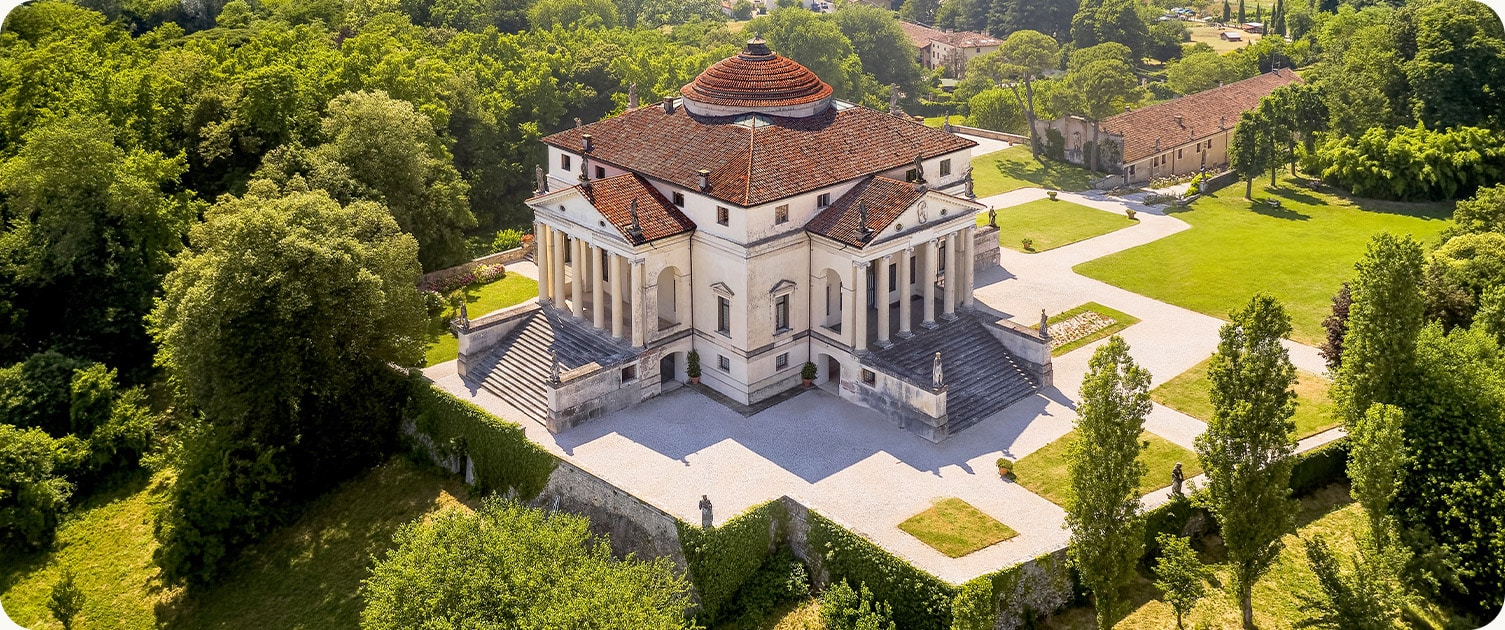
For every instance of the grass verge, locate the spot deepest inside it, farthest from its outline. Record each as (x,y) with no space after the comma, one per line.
(1014,168)
(955,528)
(1300,253)
(1121,320)
(511,290)
(1189,393)
(1051,224)
(305,575)
(1044,472)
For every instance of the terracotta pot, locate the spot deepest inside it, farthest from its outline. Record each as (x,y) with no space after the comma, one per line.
(807,382)
(1004,472)
(694,380)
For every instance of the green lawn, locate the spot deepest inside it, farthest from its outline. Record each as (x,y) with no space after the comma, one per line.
(306,575)
(1014,168)
(1188,394)
(1051,224)
(1121,320)
(479,300)
(1044,472)
(1329,512)
(1300,253)
(955,528)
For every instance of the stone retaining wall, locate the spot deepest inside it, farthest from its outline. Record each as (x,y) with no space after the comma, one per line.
(632,525)
(989,133)
(500,258)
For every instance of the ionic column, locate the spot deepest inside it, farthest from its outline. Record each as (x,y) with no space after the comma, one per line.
(848,314)
(883,298)
(906,262)
(577,279)
(969,264)
(953,275)
(928,278)
(616,294)
(860,303)
(556,271)
(541,256)
(598,301)
(638,329)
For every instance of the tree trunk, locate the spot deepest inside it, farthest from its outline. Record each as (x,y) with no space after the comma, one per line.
(1029,117)
(1249,188)
(1178,621)
(1246,601)
(1096,150)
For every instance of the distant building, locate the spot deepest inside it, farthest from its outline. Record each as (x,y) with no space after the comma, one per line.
(1232,36)
(947,49)
(1257,28)
(1177,137)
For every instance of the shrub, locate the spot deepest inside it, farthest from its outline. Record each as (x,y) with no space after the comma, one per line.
(1411,163)
(843,609)
(1319,467)
(1028,243)
(723,559)
(692,364)
(782,578)
(32,494)
(920,601)
(434,303)
(1131,213)
(66,599)
(973,607)
(807,372)
(488,273)
(506,239)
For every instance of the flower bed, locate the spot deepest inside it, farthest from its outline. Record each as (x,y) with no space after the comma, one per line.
(445,284)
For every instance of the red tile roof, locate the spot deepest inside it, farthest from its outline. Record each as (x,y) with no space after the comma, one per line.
(756,159)
(1203,114)
(921,36)
(657,218)
(756,78)
(884,198)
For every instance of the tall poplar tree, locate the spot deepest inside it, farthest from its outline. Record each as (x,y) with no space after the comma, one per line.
(1246,449)
(1103,511)
(1384,318)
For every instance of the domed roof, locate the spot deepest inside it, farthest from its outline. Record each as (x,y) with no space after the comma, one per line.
(757,80)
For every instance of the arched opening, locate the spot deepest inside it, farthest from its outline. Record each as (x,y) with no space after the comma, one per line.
(832,315)
(668,369)
(668,315)
(828,373)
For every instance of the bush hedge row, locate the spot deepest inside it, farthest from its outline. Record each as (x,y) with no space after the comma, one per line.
(721,559)
(504,457)
(920,600)
(1321,466)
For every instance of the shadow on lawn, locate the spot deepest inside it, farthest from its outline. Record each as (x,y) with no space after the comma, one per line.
(118,487)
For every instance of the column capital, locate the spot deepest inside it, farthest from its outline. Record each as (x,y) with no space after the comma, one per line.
(861,264)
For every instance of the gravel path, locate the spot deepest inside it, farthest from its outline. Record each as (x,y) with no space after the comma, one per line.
(853,466)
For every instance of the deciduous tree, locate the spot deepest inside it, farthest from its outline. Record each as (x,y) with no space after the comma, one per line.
(1180,576)
(506,561)
(1102,509)
(1018,62)
(1099,90)
(1379,347)
(1375,461)
(1246,449)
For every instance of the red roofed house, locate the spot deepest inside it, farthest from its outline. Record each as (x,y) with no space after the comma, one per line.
(948,49)
(1178,137)
(761,224)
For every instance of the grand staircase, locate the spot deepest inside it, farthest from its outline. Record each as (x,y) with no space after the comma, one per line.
(517,368)
(981,376)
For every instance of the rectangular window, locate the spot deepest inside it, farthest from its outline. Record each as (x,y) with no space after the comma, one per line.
(823,200)
(629,373)
(1197,149)
(1131,170)
(782,361)
(723,216)
(869,377)
(600,172)
(723,316)
(564,161)
(679,199)
(912,269)
(1179,153)
(1155,161)
(781,214)
(781,313)
(911,175)
(1209,143)
(945,167)
(724,363)
(605,266)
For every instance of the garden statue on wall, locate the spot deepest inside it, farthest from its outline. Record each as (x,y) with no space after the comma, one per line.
(967,181)
(705,511)
(1177,477)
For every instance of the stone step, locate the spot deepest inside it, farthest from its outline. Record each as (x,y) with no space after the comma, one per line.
(517,369)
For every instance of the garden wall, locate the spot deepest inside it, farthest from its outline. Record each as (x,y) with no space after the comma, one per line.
(989,133)
(631,525)
(500,258)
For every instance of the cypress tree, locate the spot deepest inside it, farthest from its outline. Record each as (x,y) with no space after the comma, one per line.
(1227,11)
(1241,17)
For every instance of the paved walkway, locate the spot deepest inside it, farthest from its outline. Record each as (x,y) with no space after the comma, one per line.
(853,466)
(986,145)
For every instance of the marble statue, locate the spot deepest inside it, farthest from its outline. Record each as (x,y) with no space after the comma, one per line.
(1044,325)
(937,379)
(992,216)
(893,99)
(464,318)
(967,181)
(705,512)
(1176,478)
(540,180)
(554,367)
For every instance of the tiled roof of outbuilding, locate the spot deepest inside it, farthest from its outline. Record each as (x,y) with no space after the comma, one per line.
(921,36)
(657,218)
(755,159)
(1203,114)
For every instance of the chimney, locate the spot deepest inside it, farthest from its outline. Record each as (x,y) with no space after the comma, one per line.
(1127,109)
(586,146)
(632,96)
(1178,121)
(1222,122)
(668,105)
(705,179)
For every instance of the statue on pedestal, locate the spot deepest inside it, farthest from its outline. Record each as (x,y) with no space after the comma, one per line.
(540,181)
(937,379)
(992,217)
(1176,478)
(705,512)
(967,181)
(1044,325)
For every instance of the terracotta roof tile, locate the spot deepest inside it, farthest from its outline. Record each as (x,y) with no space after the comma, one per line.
(657,218)
(756,78)
(921,36)
(756,159)
(885,200)
(1203,114)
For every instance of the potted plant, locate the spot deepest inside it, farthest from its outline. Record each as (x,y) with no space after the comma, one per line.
(807,374)
(1130,212)
(692,367)
(1028,243)
(1051,194)
(1005,467)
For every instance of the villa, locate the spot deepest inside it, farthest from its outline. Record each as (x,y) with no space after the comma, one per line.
(761,224)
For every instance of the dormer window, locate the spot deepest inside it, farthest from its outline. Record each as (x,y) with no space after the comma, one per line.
(600,172)
(823,200)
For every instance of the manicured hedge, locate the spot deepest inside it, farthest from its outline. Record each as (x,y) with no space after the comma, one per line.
(504,457)
(1321,466)
(920,601)
(721,559)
